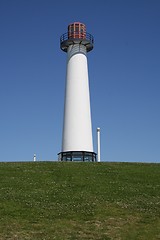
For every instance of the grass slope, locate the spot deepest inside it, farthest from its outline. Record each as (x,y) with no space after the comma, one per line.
(60,200)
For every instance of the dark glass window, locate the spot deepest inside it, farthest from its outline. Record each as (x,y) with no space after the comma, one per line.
(77,156)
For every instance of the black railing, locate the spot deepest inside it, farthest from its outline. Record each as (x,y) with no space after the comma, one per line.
(83,156)
(77,35)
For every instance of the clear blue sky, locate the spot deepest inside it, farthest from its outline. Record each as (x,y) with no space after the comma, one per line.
(124,74)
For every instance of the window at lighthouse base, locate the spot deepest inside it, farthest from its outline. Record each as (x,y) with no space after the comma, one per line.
(78,156)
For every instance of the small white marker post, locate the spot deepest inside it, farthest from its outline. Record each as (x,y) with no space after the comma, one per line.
(34,158)
(98,145)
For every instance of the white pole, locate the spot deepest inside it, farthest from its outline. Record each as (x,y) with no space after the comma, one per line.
(34,157)
(98,145)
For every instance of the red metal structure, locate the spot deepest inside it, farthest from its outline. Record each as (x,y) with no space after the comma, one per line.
(77,30)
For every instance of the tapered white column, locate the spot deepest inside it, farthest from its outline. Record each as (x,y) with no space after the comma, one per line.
(77,127)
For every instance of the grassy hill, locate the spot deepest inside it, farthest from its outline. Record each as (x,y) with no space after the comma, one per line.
(61,200)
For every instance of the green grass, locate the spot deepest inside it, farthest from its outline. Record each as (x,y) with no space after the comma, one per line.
(60,200)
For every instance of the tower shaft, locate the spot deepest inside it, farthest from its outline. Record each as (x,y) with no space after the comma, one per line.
(77,127)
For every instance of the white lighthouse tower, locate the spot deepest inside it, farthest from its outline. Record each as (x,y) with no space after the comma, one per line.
(77,143)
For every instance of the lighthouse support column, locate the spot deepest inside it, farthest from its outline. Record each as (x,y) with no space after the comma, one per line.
(77,127)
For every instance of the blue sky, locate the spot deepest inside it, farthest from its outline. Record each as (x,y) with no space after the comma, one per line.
(124,74)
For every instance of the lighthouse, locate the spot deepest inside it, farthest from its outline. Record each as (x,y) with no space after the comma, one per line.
(77,142)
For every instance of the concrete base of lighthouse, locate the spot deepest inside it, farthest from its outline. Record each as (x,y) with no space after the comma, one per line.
(80,156)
